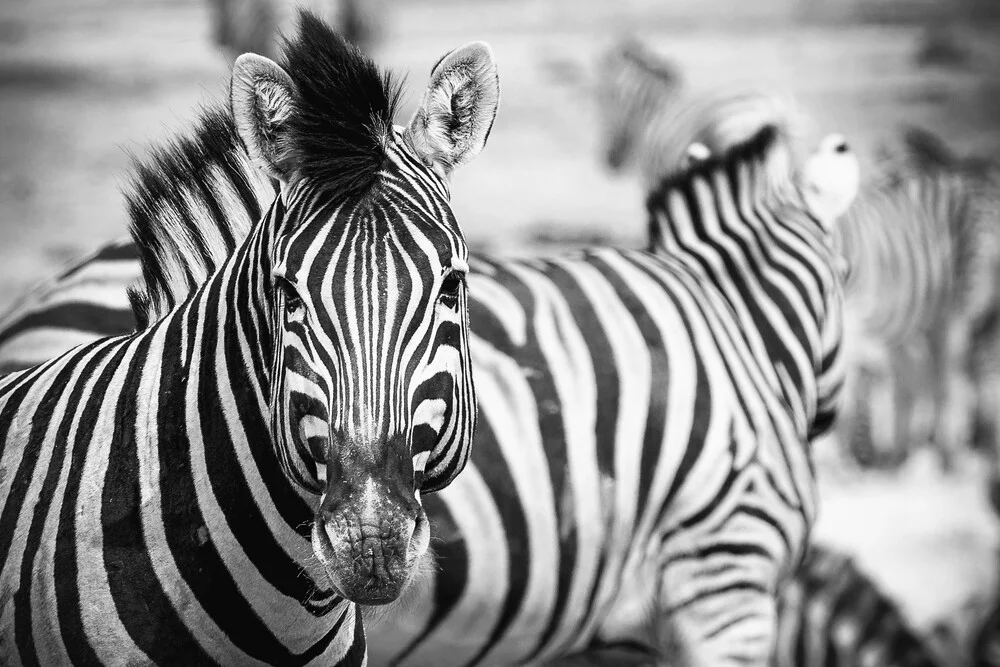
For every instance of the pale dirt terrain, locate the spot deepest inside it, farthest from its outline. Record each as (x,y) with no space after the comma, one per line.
(84,81)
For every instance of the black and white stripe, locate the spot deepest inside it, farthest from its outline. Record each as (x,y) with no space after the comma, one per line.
(923,244)
(641,473)
(220,486)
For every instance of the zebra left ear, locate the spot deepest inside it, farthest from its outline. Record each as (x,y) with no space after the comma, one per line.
(456,114)
(261,98)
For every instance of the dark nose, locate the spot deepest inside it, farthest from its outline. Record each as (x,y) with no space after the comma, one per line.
(842,147)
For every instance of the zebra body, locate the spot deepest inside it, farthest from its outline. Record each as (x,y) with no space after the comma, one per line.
(221,486)
(86,301)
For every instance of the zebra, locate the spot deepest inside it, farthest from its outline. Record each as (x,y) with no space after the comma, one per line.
(256,26)
(225,484)
(623,395)
(929,225)
(648,120)
(832,614)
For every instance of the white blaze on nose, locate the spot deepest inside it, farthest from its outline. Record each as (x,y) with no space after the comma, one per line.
(369,500)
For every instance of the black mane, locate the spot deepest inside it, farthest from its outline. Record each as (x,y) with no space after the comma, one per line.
(755,149)
(192,201)
(343,112)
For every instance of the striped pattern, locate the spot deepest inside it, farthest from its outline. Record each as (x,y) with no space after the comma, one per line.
(84,302)
(641,473)
(634,363)
(833,615)
(626,387)
(649,116)
(923,243)
(216,487)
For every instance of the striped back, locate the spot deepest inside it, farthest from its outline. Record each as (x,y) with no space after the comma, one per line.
(86,301)
(648,119)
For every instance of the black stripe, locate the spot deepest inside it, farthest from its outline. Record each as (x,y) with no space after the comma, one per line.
(84,316)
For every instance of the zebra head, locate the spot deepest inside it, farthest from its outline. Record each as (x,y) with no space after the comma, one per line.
(830,179)
(372,400)
(633,84)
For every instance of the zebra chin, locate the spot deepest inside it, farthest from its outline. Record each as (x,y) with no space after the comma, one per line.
(371,557)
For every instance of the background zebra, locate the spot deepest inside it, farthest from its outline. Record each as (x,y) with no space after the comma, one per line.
(649,115)
(256,26)
(923,242)
(212,487)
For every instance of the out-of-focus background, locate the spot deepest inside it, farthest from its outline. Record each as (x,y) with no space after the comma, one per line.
(85,82)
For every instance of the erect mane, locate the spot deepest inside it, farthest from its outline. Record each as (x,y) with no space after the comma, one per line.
(192,201)
(755,150)
(758,152)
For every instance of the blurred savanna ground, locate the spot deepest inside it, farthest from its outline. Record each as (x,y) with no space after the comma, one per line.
(85,82)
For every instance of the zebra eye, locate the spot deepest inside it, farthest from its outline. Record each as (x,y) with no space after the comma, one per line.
(451,284)
(293,302)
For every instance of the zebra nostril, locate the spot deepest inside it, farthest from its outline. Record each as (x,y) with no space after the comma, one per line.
(842,147)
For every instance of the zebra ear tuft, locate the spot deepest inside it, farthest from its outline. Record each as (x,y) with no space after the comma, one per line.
(457,111)
(262,99)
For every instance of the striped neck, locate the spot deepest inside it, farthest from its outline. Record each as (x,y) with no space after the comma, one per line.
(220,345)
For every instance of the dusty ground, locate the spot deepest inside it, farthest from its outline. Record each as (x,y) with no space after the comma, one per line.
(84,81)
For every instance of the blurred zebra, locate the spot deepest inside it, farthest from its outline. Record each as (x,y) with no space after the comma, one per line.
(831,614)
(255,26)
(923,244)
(647,120)
(87,301)
(223,485)
(633,361)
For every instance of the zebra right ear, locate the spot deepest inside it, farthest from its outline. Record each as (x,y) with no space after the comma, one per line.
(456,114)
(261,98)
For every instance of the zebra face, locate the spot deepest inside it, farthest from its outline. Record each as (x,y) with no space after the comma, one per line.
(372,400)
(375,401)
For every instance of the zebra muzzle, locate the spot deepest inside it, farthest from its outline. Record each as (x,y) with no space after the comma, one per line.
(370,543)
